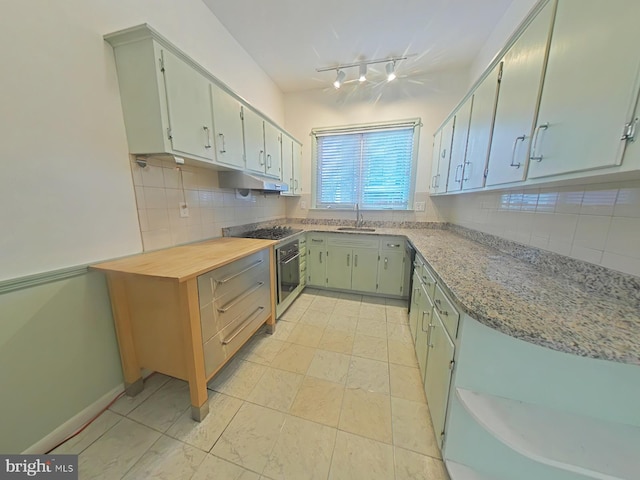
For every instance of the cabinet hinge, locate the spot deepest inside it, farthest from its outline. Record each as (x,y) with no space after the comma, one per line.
(169,134)
(486,172)
(376,286)
(451,364)
(500,72)
(241,114)
(378,257)
(629,130)
(161,62)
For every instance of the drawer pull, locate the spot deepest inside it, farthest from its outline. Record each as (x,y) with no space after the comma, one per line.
(393,245)
(240,297)
(244,325)
(231,277)
(317,240)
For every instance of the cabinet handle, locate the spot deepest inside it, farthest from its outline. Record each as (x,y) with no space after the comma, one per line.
(296,182)
(261,157)
(431,327)
(206,130)
(355,260)
(424,312)
(386,262)
(269,160)
(537,158)
(231,277)
(513,153)
(316,240)
(415,295)
(455,177)
(224,148)
(240,297)
(438,180)
(433,181)
(348,258)
(393,245)
(245,324)
(320,256)
(444,153)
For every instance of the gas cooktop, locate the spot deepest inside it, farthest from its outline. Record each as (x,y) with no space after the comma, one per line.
(272,233)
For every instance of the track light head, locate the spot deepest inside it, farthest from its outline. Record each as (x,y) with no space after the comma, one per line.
(339,79)
(362,77)
(391,71)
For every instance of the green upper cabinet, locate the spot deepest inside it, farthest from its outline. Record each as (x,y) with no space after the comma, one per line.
(518,100)
(227,127)
(365,267)
(273,151)
(459,146)
(255,158)
(589,89)
(441,157)
(297,168)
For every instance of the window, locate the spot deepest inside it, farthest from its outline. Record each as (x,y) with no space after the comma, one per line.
(370,165)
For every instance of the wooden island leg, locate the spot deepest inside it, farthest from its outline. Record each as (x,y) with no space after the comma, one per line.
(133,383)
(190,314)
(271,321)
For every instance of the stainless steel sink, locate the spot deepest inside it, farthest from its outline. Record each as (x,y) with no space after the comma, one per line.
(356,229)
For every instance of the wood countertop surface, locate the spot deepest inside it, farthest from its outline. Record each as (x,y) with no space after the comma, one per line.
(187,261)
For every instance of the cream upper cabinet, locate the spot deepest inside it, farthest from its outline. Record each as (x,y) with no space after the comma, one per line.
(441,157)
(590,87)
(459,145)
(227,127)
(480,130)
(253,141)
(518,100)
(273,151)
(288,146)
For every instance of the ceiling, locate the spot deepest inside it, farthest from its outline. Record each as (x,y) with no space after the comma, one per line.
(289,39)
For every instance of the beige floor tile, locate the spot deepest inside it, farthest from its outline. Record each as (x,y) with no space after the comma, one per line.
(370,347)
(347,307)
(249,438)
(406,382)
(262,348)
(237,378)
(399,333)
(294,313)
(323,304)
(303,451)
(367,414)
(113,454)
(283,330)
(89,435)
(336,341)
(372,312)
(316,318)
(308,335)
(293,358)
(204,434)
(164,407)
(276,389)
(215,468)
(372,328)
(167,459)
(356,458)
(125,404)
(369,375)
(397,315)
(412,427)
(318,400)
(330,366)
(414,466)
(402,353)
(342,322)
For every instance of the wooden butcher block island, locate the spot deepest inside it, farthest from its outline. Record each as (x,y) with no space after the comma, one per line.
(185,311)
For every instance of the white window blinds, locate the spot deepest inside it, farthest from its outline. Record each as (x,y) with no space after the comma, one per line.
(372,167)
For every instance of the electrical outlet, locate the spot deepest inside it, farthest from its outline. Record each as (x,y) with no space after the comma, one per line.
(184,210)
(303,205)
(419,206)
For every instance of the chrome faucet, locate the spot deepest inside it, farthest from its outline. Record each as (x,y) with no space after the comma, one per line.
(359,218)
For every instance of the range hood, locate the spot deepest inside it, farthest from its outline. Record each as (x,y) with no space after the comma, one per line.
(244,181)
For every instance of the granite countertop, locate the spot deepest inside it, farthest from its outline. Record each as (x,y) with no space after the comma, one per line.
(517,299)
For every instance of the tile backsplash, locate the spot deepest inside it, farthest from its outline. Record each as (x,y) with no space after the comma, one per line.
(599,223)
(160,188)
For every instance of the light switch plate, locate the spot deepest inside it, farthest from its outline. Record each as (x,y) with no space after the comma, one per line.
(419,206)
(303,205)
(184,210)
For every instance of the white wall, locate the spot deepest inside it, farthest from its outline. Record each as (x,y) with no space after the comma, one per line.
(66,192)
(432,101)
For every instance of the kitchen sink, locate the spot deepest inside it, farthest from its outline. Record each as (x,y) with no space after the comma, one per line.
(356,229)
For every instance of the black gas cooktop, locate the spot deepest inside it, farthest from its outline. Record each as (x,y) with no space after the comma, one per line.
(271,233)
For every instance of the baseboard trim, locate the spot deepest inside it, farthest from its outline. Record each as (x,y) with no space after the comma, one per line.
(72,425)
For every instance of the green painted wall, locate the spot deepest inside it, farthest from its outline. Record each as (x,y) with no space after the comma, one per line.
(58,355)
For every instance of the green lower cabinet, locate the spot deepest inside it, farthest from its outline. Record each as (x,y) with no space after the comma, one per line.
(423,330)
(365,269)
(316,261)
(414,315)
(391,273)
(339,265)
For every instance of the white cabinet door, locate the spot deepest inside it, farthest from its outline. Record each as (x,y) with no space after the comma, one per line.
(441,157)
(227,126)
(391,270)
(297,166)
(459,145)
(425,318)
(189,108)
(435,160)
(287,163)
(518,100)
(273,149)
(339,266)
(480,130)
(253,141)
(438,374)
(414,315)
(589,89)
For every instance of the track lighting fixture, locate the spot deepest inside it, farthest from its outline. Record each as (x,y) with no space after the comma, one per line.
(390,69)
(339,79)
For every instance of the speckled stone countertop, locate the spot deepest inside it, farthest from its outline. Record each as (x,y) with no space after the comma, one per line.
(519,300)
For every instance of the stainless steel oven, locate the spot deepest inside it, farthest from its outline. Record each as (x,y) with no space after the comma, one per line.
(288,268)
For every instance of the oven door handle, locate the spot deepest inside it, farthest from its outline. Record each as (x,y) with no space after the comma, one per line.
(291,259)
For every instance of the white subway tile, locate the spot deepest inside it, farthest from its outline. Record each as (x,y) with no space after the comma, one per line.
(624,237)
(193,198)
(171,178)
(563,228)
(155,197)
(156,239)
(628,202)
(592,231)
(586,254)
(559,246)
(179,236)
(152,176)
(598,202)
(140,203)
(142,219)
(157,218)
(547,201)
(621,263)
(569,201)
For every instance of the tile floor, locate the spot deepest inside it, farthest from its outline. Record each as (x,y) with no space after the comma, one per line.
(335,393)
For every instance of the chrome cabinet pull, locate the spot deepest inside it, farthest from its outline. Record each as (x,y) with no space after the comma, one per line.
(240,297)
(393,245)
(206,130)
(244,325)
(355,260)
(261,157)
(321,257)
(269,160)
(415,295)
(433,181)
(224,148)
(296,182)
(455,177)
(231,277)
(348,258)
(513,153)
(386,262)
(537,158)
